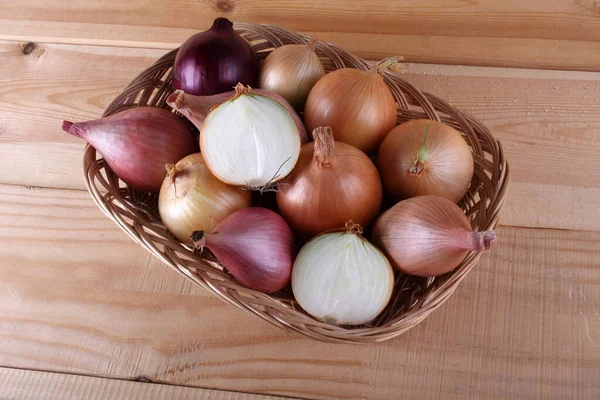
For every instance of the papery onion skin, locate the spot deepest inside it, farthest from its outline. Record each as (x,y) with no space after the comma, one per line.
(341,278)
(196,108)
(191,198)
(137,143)
(330,184)
(254,244)
(357,105)
(214,61)
(427,236)
(444,167)
(250,140)
(291,71)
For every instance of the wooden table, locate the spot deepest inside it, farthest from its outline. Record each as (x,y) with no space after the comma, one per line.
(86,313)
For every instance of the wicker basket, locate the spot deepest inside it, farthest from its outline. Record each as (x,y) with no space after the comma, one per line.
(413,298)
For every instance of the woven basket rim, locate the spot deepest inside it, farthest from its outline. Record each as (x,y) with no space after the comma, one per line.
(414,298)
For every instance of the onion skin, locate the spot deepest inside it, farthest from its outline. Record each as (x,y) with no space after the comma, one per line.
(330,184)
(137,143)
(291,71)
(191,198)
(255,245)
(427,236)
(445,170)
(357,105)
(196,108)
(214,61)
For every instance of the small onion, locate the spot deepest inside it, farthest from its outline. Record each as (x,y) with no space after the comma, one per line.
(191,198)
(137,143)
(427,236)
(357,105)
(341,278)
(423,157)
(332,183)
(255,245)
(196,108)
(291,71)
(250,140)
(213,61)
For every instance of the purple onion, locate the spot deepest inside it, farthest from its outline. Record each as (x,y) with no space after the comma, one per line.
(214,61)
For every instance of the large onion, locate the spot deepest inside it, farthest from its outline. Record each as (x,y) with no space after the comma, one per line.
(427,236)
(341,278)
(214,61)
(423,157)
(191,198)
(250,140)
(332,183)
(357,105)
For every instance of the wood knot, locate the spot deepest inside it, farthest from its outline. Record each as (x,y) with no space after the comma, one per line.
(27,48)
(225,6)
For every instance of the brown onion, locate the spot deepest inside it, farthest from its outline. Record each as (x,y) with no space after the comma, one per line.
(331,184)
(291,71)
(191,198)
(423,157)
(357,105)
(427,236)
(137,143)
(255,245)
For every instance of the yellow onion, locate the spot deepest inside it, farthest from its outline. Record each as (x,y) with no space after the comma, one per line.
(423,157)
(427,236)
(332,183)
(191,198)
(341,278)
(357,105)
(291,71)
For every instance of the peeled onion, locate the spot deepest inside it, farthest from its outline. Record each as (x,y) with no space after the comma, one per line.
(427,236)
(357,105)
(191,198)
(250,140)
(423,157)
(137,143)
(332,183)
(341,278)
(254,244)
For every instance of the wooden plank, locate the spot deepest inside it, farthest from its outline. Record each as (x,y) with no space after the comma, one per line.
(558,35)
(19,384)
(78,296)
(548,122)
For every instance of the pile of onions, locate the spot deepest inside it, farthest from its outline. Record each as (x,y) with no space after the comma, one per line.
(423,157)
(137,143)
(332,183)
(250,140)
(341,278)
(255,245)
(357,105)
(291,71)
(214,61)
(196,108)
(427,236)
(191,198)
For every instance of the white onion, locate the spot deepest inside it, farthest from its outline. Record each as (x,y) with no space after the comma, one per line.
(341,278)
(250,140)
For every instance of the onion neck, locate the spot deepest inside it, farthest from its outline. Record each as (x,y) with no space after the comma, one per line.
(423,155)
(222,24)
(312,43)
(240,89)
(389,64)
(72,129)
(477,241)
(199,240)
(353,227)
(177,100)
(324,145)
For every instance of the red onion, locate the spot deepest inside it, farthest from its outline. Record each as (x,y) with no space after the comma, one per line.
(137,143)
(196,108)
(214,61)
(255,245)
(427,236)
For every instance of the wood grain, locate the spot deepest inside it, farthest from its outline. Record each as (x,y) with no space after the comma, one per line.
(561,34)
(78,296)
(548,122)
(18,384)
